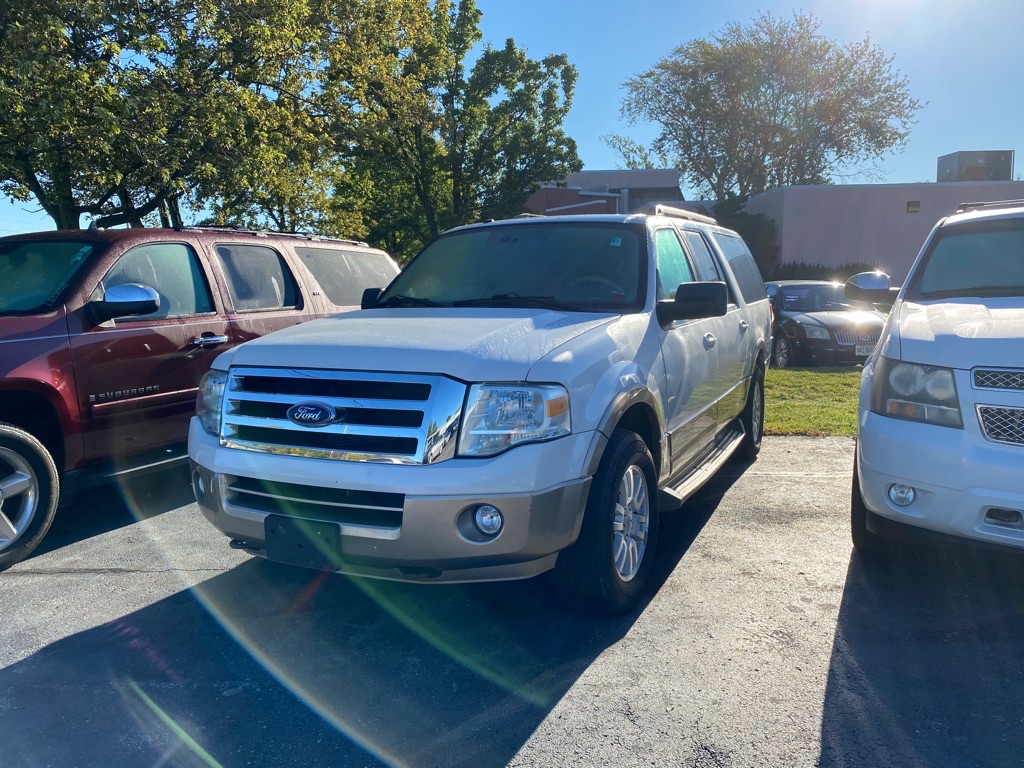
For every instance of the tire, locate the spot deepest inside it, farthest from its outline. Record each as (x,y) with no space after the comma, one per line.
(608,570)
(753,415)
(782,351)
(869,545)
(29,490)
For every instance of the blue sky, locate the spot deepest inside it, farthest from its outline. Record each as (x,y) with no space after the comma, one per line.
(962,57)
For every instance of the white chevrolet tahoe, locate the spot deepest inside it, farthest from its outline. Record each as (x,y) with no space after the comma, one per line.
(940,449)
(526,396)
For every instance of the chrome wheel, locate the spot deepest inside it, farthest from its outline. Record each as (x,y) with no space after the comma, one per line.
(19,496)
(630,523)
(783,352)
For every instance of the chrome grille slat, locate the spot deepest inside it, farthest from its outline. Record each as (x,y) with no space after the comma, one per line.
(851,337)
(1002,425)
(386,422)
(996,378)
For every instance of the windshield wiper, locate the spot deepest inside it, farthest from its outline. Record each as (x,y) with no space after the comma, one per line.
(400,300)
(514,299)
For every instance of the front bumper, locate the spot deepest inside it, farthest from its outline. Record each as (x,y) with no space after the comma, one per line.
(959,478)
(540,489)
(829,352)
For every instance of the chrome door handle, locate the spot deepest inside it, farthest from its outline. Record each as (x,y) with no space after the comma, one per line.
(209,341)
(709,341)
(743,326)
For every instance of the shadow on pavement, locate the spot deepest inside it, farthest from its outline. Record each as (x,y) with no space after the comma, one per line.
(926,666)
(270,665)
(95,510)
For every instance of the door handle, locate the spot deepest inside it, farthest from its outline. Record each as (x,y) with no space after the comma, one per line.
(709,341)
(209,340)
(743,326)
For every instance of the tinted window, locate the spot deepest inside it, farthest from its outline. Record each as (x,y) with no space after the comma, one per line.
(34,274)
(344,275)
(980,258)
(673,266)
(257,277)
(172,270)
(742,265)
(585,266)
(707,267)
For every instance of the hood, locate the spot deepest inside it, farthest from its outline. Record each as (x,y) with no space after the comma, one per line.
(471,344)
(961,334)
(841,319)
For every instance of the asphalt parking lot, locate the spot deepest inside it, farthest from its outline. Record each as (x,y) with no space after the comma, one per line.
(136,637)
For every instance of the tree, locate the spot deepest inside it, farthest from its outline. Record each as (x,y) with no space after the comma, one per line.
(117,108)
(445,146)
(773,103)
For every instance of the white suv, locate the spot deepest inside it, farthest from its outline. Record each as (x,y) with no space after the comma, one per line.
(525,396)
(940,446)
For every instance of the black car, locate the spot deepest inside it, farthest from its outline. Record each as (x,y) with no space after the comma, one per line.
(815,324)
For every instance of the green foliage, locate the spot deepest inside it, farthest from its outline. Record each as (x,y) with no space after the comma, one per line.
(811,401)
(772,103)
(445,146)
(795,271)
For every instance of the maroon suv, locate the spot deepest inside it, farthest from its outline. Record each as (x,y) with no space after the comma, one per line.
(104,335)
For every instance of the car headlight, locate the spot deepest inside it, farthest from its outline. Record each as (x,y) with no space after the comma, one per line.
(211,396)
(815,331)
(915,392)
(499,416)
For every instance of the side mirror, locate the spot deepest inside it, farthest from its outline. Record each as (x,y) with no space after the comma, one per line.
(872,287)
(694,301)
(125,300)
(370,296)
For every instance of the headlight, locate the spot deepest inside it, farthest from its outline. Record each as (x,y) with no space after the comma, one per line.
(815,331)
(499,416)
(915,392)
(208,403)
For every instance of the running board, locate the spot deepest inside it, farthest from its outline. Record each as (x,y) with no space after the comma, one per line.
(724,447)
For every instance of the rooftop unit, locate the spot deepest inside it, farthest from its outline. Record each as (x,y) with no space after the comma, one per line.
(988,165)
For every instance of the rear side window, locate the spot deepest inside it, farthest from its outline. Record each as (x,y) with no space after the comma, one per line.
(173,271)
(707,267)
(345,274)
(257,277)
(743,266)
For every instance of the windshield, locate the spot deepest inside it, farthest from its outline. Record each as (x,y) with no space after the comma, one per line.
(973,259)
(34,273)
(554,264)
(815,297)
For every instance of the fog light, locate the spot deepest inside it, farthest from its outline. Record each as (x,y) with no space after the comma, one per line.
(902,495)
(488,520)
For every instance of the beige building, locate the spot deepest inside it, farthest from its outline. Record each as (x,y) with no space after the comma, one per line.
(881,224)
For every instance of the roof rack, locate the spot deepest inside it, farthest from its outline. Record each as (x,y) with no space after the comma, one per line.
(660,209)
(267,233)
(989,204)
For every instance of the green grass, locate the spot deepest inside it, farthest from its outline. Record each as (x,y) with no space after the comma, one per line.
(811,401)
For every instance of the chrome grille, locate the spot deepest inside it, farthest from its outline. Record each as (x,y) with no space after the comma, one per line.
(855,336)
(1002,425)
(384,418)
(307,502)
(994,378)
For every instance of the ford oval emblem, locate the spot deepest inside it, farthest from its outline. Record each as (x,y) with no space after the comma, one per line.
(311,414)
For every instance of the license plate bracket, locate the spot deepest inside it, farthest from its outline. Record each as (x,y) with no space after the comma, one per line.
(864,350)
(305,543)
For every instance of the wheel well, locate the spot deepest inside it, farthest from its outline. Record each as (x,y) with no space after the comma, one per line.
(640,418)
(36,415)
